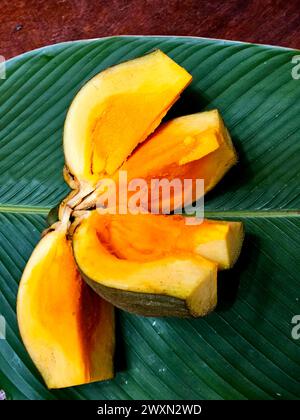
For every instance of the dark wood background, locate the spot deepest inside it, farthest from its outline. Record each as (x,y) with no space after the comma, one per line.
(29,24)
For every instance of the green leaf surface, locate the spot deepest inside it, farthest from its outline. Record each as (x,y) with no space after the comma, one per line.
(245,349)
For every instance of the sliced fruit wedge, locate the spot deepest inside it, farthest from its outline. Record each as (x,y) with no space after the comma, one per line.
(148,265)
(67,329)
(117,110)
(196,146)
(184,148)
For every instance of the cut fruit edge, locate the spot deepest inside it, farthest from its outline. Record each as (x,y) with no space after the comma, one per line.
(67,329)
(113,254)
(204,150)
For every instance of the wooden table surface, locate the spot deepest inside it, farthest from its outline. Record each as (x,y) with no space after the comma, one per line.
(29,24)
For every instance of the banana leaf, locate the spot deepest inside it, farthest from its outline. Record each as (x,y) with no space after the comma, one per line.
(245,349)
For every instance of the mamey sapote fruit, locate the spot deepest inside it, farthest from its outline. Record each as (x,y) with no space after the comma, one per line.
(195,146)
(147,264)
(117,110)
(67,329)
(191,147)
(153,264)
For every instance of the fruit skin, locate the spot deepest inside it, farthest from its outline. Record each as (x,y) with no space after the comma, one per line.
(67,329)
(116,110)
(145,304)
(156,304)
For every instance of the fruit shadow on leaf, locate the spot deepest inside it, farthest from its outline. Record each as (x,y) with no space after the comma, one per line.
(121,348)
(239,175)
(256,287)
(229,280)
(52,216)
(189,102)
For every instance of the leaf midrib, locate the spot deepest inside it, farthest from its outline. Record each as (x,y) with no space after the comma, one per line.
(229,213)
(24,209)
